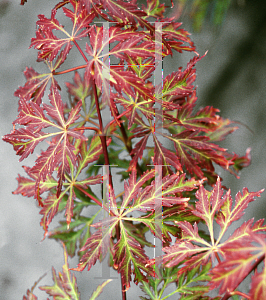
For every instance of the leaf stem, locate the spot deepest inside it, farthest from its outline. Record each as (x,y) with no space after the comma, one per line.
(128,145)
(69,70)
(241,294)
(86,128)
(106,159)
(93,198)
(81,52)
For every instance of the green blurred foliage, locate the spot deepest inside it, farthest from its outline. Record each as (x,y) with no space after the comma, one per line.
(201,11)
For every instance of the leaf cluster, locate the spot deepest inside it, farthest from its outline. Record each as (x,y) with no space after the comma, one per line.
(165,148)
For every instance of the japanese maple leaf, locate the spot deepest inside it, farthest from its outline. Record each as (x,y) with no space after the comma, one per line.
(119,11)
(51,203)
(27,186)
(175,36)
(48,44)
(24,140)
(130,43)
(179,84)
(129,255)
(196,250)
(241,257)
(195,152)
(36,84)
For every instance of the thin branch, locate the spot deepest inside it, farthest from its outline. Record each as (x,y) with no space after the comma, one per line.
(69,70)
(93,198)
(81,52)
(106,159)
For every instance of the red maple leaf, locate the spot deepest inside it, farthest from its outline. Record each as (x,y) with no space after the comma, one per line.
(48,44)
(24,140)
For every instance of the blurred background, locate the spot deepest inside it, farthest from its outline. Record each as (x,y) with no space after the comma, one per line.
(232,77)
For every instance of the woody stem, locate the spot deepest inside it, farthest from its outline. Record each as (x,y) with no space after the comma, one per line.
(106,159)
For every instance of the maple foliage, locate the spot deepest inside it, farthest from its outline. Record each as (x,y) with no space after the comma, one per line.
(166,150)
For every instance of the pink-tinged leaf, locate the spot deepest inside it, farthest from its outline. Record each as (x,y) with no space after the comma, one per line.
(209,204)
(195,152)
(171,32)
(92,154)
(177,253)
(133,108)
(49,210)
(180,83)
(121,11)
(165,157)
(35,86)
(194,256)
(165,192)
(65,284)
(130,258)
(129,83)
(134,46)
(97,245)
(56,109)
(241,257)
(227,215)
(32,116)
(80,89)
(133,186)
(50,24)
(26,186)
(205,119)
(24,140)
(190,233)
(143,68)
(138,152)
(197,251)
(80,19)
(92,180)
(258,285)
(48,44)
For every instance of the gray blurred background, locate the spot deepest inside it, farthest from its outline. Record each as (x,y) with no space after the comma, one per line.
(232,77)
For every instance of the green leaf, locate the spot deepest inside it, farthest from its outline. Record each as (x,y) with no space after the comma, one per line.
(99,289)
(65,285)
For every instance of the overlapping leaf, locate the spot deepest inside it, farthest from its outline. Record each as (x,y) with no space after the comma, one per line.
(35,85)
(119,11)
(27,185)
(196,250)
(130,43)
(24,140)
(48,44)
(129,256)
(166,276)
(241,257)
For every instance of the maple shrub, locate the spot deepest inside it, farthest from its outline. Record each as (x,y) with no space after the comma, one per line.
(125,115)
